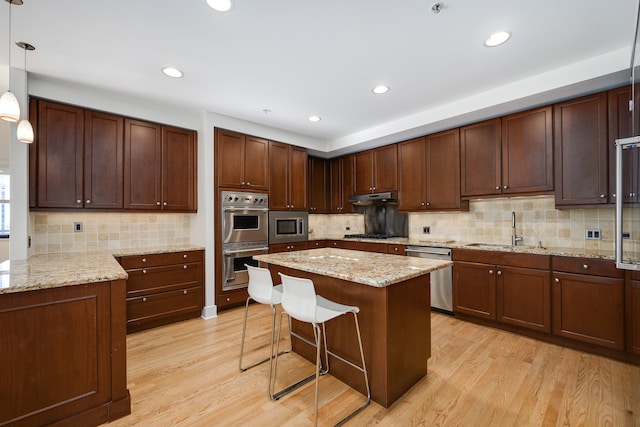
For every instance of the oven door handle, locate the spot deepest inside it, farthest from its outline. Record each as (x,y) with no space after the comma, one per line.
(246,209)
(240,251)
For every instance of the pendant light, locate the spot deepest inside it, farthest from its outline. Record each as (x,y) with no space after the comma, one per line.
(25,130)
(9,106)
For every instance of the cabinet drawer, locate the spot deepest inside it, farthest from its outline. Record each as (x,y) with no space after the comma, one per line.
(160,279)
(232,298)
(511,259)
(151,260)
(589,266)
(396,249)
(164,304)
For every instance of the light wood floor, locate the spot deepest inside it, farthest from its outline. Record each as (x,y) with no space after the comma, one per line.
(187,374)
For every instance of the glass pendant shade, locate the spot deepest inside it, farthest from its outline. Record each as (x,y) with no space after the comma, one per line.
(25,132)
(9,107)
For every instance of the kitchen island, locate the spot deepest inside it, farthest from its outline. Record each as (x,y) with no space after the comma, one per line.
(392,293)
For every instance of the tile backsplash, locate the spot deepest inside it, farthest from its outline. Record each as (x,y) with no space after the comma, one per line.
(54,231)
(489,221)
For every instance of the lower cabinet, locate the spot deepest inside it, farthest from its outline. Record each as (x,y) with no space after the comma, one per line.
(588,301)
(506,287)
(287,247)
(633,312)
(163,288)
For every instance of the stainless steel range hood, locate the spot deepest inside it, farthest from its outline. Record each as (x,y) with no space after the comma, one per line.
(368,199)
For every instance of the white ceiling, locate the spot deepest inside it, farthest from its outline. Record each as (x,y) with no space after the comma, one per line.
(301,57)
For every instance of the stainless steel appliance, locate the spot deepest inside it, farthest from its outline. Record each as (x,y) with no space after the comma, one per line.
(441,280)
(245,222)
(288,227)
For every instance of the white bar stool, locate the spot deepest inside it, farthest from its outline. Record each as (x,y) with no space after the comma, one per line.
(262,291)
(300,301)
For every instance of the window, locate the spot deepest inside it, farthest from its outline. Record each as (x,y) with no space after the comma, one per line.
(5,215)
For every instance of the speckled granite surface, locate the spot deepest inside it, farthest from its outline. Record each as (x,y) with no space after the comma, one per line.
(65,269)
(368,268)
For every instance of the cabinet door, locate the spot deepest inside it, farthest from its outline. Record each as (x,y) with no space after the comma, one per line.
(589,309)
(178,169)
(230,151)
(620,127)
(524,297)
(634,316)
(480,159)
(60,155)
(363,172)
(256,163)
(142,165)
(33,155)
(412,180)
(443,171)
(103,160)
(474,289)
(385,168)
(580,138)
(527,152)
(298,179)
(278,176)
(347,183)
(335,185)
(318,185)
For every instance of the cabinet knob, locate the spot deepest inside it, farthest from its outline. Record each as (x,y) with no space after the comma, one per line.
(497,187)
(248,183)
(242,182)
(184,267)
(78,201)
(144,299)
(557,280)
(184,292)
(165,203)
(602,196)
(88,201)
(395,249)
(613,195)
(490,271)
(504,187)
(499,273)
(428,204)
(422,203)
(157,203)
(144,271)
(585,266)
(370,188)
(144,260)
(374,188)
(228,299)
(184,256)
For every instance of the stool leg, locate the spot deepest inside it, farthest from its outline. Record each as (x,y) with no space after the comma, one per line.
(318,335)
(244,329)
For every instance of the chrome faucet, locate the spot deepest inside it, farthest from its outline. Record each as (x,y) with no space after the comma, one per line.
(514,238)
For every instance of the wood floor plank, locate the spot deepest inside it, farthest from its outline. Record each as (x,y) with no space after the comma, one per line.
(187,374)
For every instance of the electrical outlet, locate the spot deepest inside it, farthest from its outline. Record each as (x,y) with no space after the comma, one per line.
(426,229)
(626,235)
(348,228)
(77,227)
(593,234)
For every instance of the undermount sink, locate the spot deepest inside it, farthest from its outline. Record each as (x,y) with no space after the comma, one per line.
(489,245)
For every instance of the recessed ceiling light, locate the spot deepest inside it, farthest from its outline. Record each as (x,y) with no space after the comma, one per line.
(497,39)
(380,89)
(314,118)
(220,5)
(172,72)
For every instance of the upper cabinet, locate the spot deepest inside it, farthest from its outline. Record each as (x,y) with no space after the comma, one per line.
(508,156)
(318,183)
(429,173)
(159,167)
(580,139)
(242,161)
(287,177)
(620,127)
(340,184)
(376,170)
(78,158)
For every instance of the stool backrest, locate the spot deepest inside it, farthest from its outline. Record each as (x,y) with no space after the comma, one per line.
(260,284)
(299,298)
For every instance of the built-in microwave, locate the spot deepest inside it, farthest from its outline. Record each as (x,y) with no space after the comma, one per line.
(287,227)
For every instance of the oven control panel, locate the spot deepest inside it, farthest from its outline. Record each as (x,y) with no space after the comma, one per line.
(230,198)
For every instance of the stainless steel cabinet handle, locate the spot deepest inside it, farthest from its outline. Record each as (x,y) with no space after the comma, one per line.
(585,266)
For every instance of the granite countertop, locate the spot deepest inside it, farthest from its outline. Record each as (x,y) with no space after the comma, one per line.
(607,254)
(373,269)
(66,269)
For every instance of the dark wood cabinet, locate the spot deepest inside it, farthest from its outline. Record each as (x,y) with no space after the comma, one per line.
(396,249)
(318,184)
(340,184)
(163,288)
(60,152)
(64,355)
(103,160)
(507,287)
(287,247)
(376,170)
(633,312)
(159,167)
(429,173)
(588,301)
(315,244)
(287,177)
(527,152)
(480,159)
(242,161)
(620,127)
(580,146)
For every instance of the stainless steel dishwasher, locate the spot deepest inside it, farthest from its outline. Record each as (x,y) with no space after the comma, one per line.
(441,280)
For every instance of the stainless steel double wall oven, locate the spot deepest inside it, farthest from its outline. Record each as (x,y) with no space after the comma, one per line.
(245,222)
